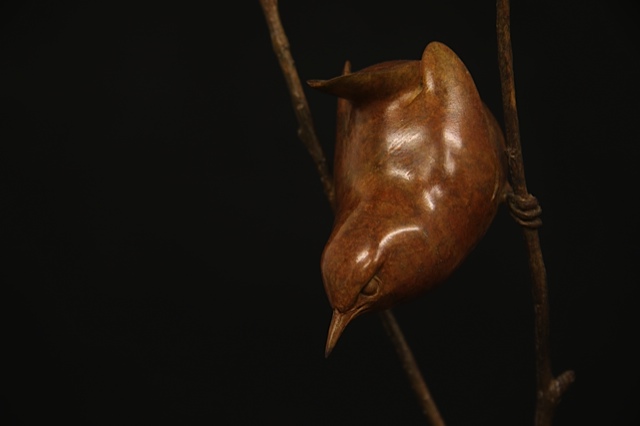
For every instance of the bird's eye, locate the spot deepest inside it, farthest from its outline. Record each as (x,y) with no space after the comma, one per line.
(371,287)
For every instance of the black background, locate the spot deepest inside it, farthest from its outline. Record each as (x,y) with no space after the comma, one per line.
(163,223)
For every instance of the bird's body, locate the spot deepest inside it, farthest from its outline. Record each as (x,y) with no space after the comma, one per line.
(419,172)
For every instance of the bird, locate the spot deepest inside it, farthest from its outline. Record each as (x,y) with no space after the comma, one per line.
(420,170)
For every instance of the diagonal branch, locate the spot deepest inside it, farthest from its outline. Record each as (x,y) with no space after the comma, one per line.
(306,132)
(526,211)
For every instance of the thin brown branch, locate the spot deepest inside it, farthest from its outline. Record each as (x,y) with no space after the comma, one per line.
(410,366)
(526,211)
(307,133)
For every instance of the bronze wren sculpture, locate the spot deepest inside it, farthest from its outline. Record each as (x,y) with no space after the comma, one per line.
(419,171)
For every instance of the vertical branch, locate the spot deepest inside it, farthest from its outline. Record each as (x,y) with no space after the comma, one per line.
(526,211)
(306,132)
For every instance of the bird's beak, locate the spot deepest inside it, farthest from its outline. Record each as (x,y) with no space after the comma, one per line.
(339,322)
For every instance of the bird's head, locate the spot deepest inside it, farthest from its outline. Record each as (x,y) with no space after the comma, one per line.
(370,266)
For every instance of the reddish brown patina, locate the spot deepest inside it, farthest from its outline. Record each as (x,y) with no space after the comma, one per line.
(419,170)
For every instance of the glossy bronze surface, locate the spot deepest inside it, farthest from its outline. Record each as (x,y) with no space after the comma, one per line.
(419,170)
